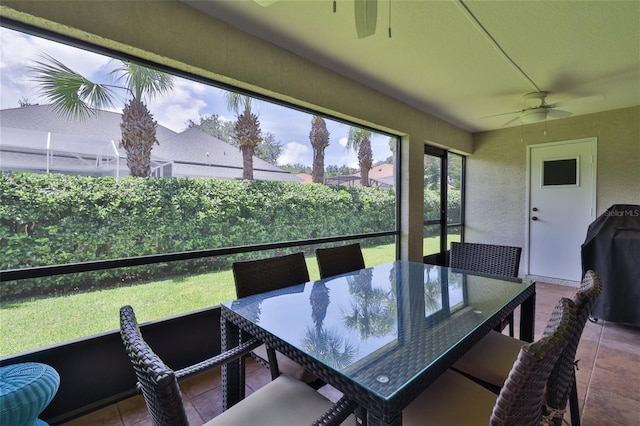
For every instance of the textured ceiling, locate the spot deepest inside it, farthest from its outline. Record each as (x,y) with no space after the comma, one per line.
(440,60)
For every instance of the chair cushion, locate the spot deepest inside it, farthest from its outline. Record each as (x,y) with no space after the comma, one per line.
(451,400)
(284,401)
(491,359)
(286,365)
(25,391)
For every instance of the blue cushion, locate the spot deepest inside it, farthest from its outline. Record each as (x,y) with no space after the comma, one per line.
(25,391)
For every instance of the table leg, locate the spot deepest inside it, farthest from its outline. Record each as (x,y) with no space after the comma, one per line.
(574,404)
(361,416)
(375,421)
(233,374)
(527,318)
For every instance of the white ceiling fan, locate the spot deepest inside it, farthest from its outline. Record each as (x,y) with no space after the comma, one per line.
(366,15)
(535,108)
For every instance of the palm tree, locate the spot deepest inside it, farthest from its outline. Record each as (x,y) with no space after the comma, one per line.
(327,345)
(247,130)
(373,311)
(319,137)
(360,141)
(76,97)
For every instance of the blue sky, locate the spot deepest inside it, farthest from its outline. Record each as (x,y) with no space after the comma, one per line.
(188,100)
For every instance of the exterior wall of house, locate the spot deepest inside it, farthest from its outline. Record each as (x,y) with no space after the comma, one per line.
(496,172)
(174,34)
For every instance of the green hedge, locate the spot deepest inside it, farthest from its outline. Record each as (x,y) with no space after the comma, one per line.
(59,219)
(51,219)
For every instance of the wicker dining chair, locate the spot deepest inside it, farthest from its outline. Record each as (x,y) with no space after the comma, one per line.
(488,259)
(339,260)
(456,400)
(284,401)
(489,361)
(562,385)
(273,273)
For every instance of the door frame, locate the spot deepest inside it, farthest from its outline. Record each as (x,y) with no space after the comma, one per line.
(594,149)
(442,257)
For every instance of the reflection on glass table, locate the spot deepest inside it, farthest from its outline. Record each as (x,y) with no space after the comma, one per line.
(380,334)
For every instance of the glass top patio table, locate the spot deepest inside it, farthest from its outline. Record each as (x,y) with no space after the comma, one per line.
(382,334)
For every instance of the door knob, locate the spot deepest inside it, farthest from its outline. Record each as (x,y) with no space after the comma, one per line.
(534,218)
(535,209)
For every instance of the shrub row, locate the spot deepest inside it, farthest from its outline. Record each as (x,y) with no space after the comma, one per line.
(50,219)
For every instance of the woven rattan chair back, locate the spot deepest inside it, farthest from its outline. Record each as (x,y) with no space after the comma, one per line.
(262,275)
(486,258)
(520,399)
(339,260)
(562,376)
(156,381)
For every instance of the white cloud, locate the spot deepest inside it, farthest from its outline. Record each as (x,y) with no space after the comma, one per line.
(294,153)
(175,116)
(347,157)
(350,159)
(185,102)
(18,51)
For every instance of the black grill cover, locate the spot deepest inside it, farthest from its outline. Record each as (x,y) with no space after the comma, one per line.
(612,250)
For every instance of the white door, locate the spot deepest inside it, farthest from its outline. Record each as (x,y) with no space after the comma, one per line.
(561,185)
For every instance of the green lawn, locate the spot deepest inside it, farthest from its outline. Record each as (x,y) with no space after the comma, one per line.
(40,322)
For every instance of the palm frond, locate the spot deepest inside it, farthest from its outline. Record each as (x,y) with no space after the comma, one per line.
(236,102)
(141,80)
(233,101)
(71,95)
(356,136)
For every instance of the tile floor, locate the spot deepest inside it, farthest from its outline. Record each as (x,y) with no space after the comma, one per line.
(608,377)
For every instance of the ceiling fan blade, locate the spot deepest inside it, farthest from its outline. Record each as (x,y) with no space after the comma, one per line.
(513,120)
(583,100)
(558,113)
(366,12)
(501,114)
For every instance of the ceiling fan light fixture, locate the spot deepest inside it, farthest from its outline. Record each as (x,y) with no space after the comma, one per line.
(533,115)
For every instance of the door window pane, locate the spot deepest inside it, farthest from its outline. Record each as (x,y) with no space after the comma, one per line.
(432,185)
(454,188)
(431,240)
(454,233)
(560,172)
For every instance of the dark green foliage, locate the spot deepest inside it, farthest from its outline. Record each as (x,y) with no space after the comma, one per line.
(59,219)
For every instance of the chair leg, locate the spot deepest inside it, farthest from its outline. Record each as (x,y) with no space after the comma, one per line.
(273,363)
(511,324)
(574,405)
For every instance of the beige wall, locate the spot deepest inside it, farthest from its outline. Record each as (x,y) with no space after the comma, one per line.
(170,33)
(496,172)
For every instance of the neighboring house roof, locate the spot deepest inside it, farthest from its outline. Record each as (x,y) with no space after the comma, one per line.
(381,175)
(195,152)
(91,146)
(306,177)
(381,171)
(102,125)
